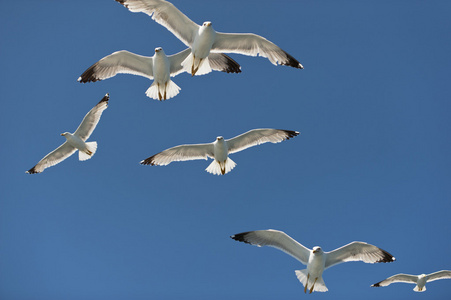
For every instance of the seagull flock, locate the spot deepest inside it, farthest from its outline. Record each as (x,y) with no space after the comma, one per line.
(205,52)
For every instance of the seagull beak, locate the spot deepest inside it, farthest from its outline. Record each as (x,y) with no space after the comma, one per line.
(62,134)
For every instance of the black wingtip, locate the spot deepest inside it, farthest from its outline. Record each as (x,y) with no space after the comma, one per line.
(292,62)
(387,258)
(32,171)
(105,98)
(240,237)
(290,133)
(232,65)
(148,161)
(88,75)
(376,284)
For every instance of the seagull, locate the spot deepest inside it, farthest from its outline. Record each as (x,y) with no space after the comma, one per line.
(75,141)
(316,259)
(158,67)
(419,280)
(219,149)
(204,39)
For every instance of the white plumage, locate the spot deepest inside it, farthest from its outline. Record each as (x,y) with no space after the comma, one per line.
(315,259)
(75,141)
(204,39)
(158,67)
(219,149)
(418,280)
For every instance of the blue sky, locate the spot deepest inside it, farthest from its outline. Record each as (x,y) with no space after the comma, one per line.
(371,163)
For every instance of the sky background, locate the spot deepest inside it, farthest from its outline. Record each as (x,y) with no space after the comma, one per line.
(371,163)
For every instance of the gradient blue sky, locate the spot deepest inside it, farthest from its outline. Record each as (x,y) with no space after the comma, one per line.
(371,163)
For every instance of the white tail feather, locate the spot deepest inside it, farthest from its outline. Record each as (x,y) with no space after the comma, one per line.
(162,91)
(320,286)
(217,168)
(91,148)
(416,289)
(189,64)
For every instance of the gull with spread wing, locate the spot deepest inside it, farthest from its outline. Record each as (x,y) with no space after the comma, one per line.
(158,67)
(316,259)
(419,280)
(75,141)
(220,149)
(204,39)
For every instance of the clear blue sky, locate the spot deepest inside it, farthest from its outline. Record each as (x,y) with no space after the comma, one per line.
(372,162)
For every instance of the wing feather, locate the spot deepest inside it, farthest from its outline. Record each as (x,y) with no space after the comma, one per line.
(253,45)
(258,136)
(53,158)
(406,278)
(276,239)
(358,251)
(444,274)
(180,153)
(166,14)
(91,119)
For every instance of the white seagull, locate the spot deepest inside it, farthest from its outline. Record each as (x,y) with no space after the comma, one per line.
(316,259)
(75,141)
(419,280)
(219,149)
(204,39)
(158,67)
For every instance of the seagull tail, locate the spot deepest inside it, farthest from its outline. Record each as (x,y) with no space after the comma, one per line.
(196,65)
(417,289)
(91,148)
(163,91)
(320,286)
(217,168)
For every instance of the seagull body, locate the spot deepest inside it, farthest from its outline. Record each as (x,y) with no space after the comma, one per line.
(316,259)
(204,39)
(75,141)
(158,67)
(220,149)
(419,280)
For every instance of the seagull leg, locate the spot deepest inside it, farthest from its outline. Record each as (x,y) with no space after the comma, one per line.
(306,284)
(311,289)
(159,93)
(165,86)
(88,152)
(223,169)
(192,67)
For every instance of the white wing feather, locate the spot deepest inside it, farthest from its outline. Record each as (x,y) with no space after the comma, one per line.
(91,119)
(276,239)
(406,278)
(53,158)
(180,153)
(258,136)
(444,274)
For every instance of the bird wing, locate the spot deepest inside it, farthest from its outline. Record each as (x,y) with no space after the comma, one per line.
(118,62)
(397,278)
(444,274)
(223,63)
(180,153)
(91,119)
(258,136)
(357,251)
(253,45)
(53,158)
(166,14)
(176,60)
(276,239)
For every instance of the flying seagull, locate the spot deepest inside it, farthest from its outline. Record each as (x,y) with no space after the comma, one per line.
(316,259)
(158,67)
(419,280)
(219,149)
(75,141)
(204,39)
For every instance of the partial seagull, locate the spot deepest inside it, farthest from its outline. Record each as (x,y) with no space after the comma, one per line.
(204,39)
(75,141)
(419,280)
(219,149)
(316,259)
(158,67)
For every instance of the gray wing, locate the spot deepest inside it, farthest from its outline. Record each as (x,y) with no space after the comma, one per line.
(358,251)
(166,14)
(259,136)
(118,62)
(397,278)
(53,158)
(253,45)
(276,239)
(180,153)
(176,60)
(444,274)
(91,119)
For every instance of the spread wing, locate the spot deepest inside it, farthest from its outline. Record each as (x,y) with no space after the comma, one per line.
(258,136)
(176,60)
(223,63)
(397,278)
(357,251)
(53,158)
(444,274)
(166,14)
(91,119)
(253,45)
(180,153)
(118,62)
(276,239)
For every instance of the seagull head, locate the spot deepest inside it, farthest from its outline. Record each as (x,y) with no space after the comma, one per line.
(158,49)
(317,249)
(64,133)
(207,24)
(219,138)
